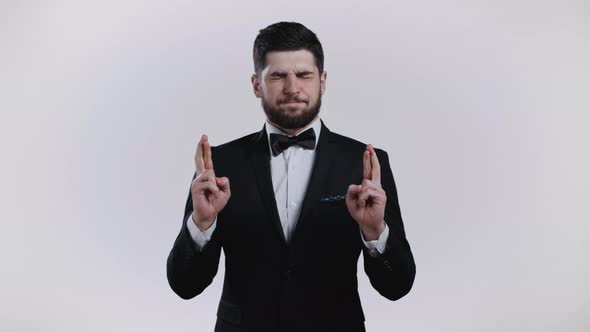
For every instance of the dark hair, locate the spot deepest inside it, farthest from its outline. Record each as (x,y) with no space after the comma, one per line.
(286,36)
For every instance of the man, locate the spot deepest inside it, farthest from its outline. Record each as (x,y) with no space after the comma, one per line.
(304,203)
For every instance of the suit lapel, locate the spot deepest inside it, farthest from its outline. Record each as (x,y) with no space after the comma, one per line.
(326,150)
(260,161)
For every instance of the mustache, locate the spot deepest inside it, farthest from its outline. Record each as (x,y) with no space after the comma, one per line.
(297,99)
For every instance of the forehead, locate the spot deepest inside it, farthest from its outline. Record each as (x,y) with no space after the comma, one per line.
(300,60)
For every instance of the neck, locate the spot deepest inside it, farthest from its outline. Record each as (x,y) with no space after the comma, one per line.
(294,131)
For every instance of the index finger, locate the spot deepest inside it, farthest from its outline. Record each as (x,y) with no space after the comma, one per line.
(199,159)
(207,154)
(367,164)
(375,166)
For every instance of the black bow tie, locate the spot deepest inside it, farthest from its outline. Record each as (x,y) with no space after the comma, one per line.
(279,143)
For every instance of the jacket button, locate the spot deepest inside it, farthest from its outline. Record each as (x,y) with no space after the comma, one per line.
(288,274)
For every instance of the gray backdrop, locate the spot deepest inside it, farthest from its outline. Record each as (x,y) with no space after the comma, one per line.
(482,106)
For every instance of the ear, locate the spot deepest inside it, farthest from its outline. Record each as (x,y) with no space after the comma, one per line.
(256,85)
(323,82)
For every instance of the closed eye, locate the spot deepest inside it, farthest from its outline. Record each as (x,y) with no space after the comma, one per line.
(306,74)
(303,74)
(277,75)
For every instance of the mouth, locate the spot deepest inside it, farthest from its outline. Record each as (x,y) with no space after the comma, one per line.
(293,102)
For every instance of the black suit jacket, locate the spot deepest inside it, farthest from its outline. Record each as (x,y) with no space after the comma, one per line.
(309,284)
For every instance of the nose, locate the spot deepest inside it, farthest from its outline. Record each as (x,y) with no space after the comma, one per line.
(291,85)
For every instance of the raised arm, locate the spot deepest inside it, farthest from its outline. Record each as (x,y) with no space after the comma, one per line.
(373,204)
(190,269)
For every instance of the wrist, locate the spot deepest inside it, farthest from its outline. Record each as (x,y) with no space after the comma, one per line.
(372,232)
(202,225)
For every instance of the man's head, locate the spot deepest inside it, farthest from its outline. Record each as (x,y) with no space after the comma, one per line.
(289,76)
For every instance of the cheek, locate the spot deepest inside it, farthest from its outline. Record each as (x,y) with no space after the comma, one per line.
(313,92)
(313,88)
(272,97)
(271,92)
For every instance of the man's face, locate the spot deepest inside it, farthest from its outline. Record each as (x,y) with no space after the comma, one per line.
(290,88)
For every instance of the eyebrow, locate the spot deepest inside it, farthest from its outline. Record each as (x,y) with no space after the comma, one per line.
(284,73)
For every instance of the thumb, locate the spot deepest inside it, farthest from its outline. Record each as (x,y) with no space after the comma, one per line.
(353,190)
(223,183)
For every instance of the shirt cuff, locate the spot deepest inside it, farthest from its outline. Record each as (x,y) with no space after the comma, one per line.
(200,238)
(376,247)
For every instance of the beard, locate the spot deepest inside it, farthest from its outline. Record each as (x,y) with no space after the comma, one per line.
(283,119)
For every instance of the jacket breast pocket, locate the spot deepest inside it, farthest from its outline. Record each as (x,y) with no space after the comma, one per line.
(334,215)
(332,205)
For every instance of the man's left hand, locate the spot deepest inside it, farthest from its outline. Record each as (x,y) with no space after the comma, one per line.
(366,201)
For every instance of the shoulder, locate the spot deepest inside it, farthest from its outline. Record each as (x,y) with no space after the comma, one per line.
(237,144)
(354,146)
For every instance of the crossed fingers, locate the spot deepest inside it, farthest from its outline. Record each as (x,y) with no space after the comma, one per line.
(203,156)
(204,165)
(371,167)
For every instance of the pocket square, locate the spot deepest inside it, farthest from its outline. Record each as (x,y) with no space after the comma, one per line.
(333,198)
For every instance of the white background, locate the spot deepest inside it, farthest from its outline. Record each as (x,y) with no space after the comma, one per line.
(482,106)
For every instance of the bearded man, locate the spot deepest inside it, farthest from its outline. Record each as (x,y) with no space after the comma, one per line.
(304,203)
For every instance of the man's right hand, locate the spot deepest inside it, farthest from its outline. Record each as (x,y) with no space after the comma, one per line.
(209,193)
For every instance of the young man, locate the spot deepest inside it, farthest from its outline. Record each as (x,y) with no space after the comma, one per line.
(304,203)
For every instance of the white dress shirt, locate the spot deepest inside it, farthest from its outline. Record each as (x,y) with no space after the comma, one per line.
(290,171)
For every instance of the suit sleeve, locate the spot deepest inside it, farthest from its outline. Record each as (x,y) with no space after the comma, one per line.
(392,273)
(190,270)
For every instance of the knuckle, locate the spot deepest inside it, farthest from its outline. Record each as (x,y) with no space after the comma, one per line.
(206,175)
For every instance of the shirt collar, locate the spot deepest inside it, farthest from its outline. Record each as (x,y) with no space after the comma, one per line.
(315,124)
